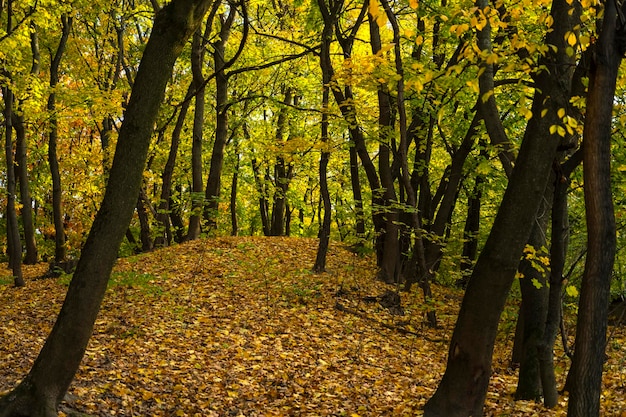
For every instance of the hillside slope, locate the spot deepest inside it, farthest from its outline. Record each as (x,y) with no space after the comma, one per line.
(241,327)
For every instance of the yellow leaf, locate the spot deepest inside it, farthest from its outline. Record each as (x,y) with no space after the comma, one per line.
(492,59)
(571,39)
(561,113)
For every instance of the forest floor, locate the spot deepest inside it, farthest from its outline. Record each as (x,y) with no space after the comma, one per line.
(241,327)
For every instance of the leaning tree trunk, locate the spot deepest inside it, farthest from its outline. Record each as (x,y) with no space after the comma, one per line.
(40,393)
(586,372)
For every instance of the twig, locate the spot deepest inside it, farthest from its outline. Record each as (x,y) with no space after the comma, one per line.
(341,307)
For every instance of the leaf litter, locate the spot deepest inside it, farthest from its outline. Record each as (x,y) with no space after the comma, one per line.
(240,326)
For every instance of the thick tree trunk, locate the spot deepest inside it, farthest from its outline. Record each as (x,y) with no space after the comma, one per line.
(464,385)
(40,393)
(591,327)
(534,289)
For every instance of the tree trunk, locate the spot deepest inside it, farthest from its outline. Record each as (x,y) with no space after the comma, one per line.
(464,385)
(197,189)
(14,244)
(330,16)
(144,222)
(233,194)
(164,238)
(263,203)
(355,182)
(212,192)
(534,289)
(470,232)
(40,393)
(60,251)
(591,326)
(21,166)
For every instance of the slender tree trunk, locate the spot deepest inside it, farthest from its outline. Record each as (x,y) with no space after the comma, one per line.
(418,259)
(176,216)
(21,166)
(214,181)
(355,182)
(233,197)
(263,204)
(197,189)
(14,244)
(330,15)
(601,239)
(281,176)
(40,393)
(164,237)
(60,250)
(144,222)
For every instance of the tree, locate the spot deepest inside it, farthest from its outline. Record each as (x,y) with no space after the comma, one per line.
(591,327)
(463,387)
(40,393)
(330,13)
(60,250)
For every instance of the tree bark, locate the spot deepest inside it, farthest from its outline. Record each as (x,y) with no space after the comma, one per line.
(591,326)
(40,393)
